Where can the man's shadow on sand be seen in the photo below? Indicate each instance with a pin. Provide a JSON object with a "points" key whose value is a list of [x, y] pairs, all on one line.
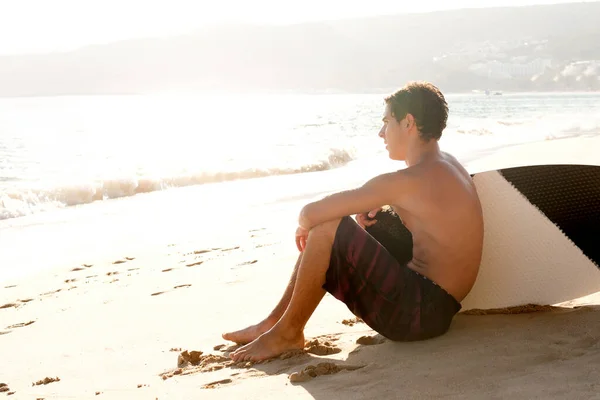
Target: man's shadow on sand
{"points": [[476, 354]]}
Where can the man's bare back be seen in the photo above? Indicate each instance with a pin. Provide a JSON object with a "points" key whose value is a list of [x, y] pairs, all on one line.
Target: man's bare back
{"points": [[445, 219]]}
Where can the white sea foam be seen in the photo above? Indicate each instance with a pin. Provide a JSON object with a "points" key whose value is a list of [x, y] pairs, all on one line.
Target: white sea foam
{"points": [[21, 200]]}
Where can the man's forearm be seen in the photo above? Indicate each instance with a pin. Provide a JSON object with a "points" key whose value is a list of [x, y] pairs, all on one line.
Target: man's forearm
{"points": [[304, 218], [349, 202], [327, 209], [307, 219]]}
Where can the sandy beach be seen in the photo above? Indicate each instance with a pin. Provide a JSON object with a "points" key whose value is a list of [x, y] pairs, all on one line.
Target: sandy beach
{"points": [[148, 324]]}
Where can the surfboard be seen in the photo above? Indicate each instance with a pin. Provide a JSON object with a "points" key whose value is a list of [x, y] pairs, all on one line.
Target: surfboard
{"points": [[542, 235]]}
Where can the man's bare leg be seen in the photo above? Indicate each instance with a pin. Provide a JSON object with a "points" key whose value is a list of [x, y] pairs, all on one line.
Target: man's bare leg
{"points": [[288, 332], [250, 333]]}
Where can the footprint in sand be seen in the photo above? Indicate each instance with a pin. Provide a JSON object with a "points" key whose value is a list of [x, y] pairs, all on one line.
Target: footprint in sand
{"points": [[265, 245], [370, 340], [124, 261], [215, 384], [230, 248], [50, 293], [199, 252], [83, 266], [202, 251], [17, 304], [182, 286], [20, 325], [174, 287], [194, 264], [326, 368], [46, 381]]}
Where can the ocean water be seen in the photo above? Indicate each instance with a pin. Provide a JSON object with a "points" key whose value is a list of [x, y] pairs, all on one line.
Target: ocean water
{"points": [[89, 177], [57, 152]]}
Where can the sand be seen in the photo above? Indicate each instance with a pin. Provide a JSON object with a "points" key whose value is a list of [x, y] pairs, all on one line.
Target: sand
{"points": [[148, 326]]}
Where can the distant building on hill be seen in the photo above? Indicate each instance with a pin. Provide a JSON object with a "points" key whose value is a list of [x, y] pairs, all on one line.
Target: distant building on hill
{"points": [[510, 70], [582, 69]]}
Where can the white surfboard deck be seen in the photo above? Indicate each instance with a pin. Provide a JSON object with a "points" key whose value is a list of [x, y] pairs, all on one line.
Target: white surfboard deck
{"points": [[526, 257]]}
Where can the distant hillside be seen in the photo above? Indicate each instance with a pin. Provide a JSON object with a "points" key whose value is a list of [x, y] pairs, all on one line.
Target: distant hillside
{"points": [[455, 49]]}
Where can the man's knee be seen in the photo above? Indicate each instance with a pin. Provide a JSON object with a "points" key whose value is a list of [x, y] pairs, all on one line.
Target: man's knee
{"points": [[326, 229]]}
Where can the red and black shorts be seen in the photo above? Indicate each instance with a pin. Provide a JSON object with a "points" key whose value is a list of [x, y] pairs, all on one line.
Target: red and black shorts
{"points": [[383, 291]]}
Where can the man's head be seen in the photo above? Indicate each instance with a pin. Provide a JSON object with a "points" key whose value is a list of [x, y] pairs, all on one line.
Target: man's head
{"points": [[418, 111]]}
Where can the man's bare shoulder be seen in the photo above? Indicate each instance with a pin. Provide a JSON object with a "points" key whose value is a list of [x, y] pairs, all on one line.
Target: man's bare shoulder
{"points": [[454, 183], [439, 177], [446, 167], [442, 179], [440, 167]]}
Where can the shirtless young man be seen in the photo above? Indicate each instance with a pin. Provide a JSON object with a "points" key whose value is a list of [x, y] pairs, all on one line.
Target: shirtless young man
{"points": [[437, 202]]}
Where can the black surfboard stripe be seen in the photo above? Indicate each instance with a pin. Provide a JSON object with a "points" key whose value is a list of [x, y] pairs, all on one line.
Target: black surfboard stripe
{"points": [[569, 196]]}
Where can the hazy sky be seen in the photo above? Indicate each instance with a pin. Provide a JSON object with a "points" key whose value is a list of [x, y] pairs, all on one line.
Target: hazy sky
{"points": [[31, 26]]}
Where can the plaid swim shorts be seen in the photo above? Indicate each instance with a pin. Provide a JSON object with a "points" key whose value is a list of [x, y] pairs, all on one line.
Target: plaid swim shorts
{"points": [[378, 287]]}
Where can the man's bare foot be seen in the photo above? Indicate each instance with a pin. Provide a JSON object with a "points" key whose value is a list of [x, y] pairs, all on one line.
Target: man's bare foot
{"points": [[268, 345], [247, 335]]}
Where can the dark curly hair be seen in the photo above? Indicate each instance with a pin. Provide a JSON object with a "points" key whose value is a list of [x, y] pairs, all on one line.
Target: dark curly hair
{"points": [[426, 103]]}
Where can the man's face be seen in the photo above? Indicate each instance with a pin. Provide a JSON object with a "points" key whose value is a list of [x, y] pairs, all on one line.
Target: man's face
{"points": [[394, 134]]}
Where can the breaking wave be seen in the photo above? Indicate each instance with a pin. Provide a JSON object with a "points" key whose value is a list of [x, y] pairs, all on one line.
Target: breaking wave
{"points": [[21, 201]]}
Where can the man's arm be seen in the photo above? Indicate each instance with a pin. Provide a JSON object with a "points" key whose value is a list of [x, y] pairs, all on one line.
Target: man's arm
{"points": [[384, 189]]}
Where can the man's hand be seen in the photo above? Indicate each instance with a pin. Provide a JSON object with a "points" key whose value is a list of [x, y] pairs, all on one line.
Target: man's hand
{"points": [[365, 219], [301, 238]]}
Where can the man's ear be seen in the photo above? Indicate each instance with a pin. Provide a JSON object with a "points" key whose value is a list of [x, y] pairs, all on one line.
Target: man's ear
{"points": [[409, 120]]}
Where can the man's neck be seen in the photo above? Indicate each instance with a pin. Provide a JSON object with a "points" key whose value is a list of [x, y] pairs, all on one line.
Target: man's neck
{"points": [[420, 151]]}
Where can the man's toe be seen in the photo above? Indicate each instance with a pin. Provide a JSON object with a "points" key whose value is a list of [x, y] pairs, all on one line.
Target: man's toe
{"points": [[239, 355]]}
